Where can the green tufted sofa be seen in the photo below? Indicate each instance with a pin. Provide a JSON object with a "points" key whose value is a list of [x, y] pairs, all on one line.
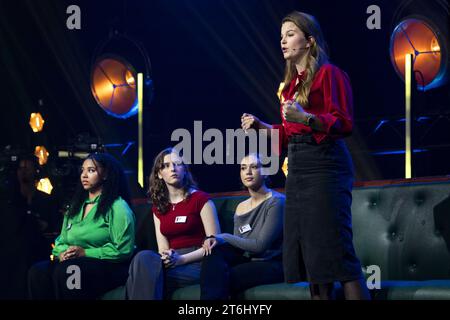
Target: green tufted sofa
{"points": [[401, 226]]}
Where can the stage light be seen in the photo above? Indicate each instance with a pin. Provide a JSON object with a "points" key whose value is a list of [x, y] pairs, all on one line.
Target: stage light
{"points": [[425, 42], [45, 185], [280, 91], [113, 85], [284, 167], [130, 78], [36, 122], [114, 77], [41, 153]]}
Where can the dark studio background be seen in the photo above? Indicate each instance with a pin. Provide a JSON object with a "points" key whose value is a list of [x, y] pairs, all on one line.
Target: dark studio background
{"points": [[211, 61]]}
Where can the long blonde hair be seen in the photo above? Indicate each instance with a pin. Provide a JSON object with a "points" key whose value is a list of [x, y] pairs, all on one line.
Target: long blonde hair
{"points": [[317, 54]]}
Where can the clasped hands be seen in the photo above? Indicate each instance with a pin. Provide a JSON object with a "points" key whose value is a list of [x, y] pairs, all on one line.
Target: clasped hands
{"points": [[71, 253], [170, 258]]}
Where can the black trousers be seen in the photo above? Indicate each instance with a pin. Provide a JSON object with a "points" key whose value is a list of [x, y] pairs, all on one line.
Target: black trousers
{"points": [[227, 272], [55, 280]]}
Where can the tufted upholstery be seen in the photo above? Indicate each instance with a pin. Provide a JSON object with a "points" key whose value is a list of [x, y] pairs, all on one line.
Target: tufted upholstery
{"points": [[394, 228], [404, 228]]}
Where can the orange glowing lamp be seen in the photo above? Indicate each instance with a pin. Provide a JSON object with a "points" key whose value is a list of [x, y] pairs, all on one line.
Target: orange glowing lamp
{"points": [[36, 122], [45, 185], [419, 38], [113, 85], [42, 154]]}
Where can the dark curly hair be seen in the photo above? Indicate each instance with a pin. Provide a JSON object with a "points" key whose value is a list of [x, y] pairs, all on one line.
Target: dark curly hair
{"points": [[159, 194], [113, 186]]}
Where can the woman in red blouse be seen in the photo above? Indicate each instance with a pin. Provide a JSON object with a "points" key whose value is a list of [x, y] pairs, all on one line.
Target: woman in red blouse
{"points": [[316, 113], [184, 217]]}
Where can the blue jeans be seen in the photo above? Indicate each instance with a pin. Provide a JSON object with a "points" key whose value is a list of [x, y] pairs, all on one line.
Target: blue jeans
{"points": [[149, 280]]}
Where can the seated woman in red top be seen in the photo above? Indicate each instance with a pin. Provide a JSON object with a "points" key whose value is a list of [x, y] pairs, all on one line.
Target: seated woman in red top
{"points": [[184, 216]]}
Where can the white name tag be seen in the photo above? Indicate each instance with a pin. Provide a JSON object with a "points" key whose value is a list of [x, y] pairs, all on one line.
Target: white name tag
{"points": [[69, 226], [245, 228], [180, 219]]}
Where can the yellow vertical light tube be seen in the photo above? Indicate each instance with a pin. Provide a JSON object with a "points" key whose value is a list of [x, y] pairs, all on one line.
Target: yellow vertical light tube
{"points": [[408, 88], [140, 88]]}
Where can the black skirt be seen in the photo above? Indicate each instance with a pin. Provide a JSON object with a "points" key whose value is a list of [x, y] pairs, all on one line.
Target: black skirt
{"points": [[318, 235]]}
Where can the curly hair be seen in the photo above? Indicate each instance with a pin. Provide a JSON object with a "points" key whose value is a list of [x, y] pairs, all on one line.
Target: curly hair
{"points": [[114, 185], [159, 194], [317, 55]]}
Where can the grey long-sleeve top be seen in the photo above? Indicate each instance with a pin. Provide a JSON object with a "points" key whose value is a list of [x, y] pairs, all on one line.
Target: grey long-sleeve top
{"points": [[259, 231]]}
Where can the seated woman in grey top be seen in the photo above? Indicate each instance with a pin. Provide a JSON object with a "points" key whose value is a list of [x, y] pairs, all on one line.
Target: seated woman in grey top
{"points": [[250, 256]]}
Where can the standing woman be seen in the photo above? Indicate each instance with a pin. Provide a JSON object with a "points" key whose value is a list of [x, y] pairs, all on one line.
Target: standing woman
{"points": [[184, 217], [316, 114], [96, 240]]}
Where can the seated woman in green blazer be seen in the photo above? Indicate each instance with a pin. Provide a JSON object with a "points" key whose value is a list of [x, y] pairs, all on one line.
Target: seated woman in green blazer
{"points": [[96, 243]]}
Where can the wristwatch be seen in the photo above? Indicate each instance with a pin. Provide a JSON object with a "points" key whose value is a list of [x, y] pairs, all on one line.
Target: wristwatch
{"points": [[309, 119]]}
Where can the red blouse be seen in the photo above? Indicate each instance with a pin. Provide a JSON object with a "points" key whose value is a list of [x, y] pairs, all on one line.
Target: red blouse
{"points": [[330, 100], [182, 224]]}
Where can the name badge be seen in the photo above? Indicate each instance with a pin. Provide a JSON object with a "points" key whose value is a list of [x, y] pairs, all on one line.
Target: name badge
{"points": [[180, 219], [245, 228], [69, 225]]}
